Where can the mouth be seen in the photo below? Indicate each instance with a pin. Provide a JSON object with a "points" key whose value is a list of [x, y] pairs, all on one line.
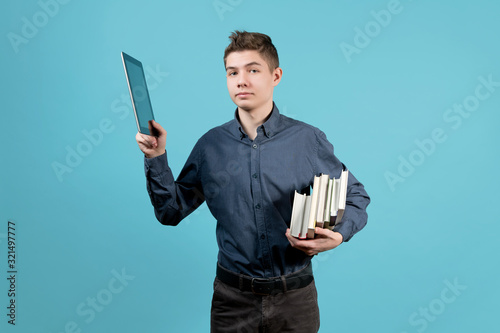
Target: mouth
{"points": [[243, 94]]}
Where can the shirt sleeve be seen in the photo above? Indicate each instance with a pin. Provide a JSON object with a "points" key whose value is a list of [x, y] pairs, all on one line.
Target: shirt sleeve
{"points": [[172, 199], [355, 216]]}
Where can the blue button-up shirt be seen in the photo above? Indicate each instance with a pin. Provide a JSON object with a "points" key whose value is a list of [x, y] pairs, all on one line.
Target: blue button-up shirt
{"points": [[249, 186]]}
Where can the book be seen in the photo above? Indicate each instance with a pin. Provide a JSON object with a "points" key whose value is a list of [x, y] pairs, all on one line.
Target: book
{"points": [[307, 210], [322, 194], [324, 208], [334, 203], [342, 196], [328, 203], [300, 215], [311, 225], [299, 205]]}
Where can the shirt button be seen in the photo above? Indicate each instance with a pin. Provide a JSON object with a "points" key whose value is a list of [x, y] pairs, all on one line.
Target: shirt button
{"points": [[254, 146], [257, 206], [262, 236], [254, 175]]}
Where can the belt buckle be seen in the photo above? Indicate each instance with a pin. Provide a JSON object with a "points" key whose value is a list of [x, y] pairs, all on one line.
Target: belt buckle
{"points": [[263, 287]]}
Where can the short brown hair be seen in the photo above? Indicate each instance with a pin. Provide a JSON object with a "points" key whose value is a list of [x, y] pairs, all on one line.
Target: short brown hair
{"points": [[242, 41]]}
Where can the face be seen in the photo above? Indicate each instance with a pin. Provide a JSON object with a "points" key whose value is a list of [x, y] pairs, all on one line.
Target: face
{"points": [[249, 81]]}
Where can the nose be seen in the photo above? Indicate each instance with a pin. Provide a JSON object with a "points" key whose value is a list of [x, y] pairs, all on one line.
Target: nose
{"points": [[242, 80]]}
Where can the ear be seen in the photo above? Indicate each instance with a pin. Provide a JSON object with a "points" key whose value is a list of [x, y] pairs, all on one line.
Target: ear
{"points": [[277, 74]]}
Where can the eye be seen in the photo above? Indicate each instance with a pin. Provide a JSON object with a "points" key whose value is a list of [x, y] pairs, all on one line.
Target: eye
{"points": [[254, 71], [231, 73]]}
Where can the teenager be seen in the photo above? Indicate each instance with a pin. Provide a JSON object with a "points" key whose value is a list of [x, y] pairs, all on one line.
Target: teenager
{"points": [[247, 171]]}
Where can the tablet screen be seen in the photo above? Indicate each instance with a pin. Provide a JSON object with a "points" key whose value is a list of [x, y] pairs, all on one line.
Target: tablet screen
{"points": [[138, 92]]}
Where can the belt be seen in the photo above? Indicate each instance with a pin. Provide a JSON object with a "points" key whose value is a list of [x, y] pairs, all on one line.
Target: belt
{"points": [[266, 286]]}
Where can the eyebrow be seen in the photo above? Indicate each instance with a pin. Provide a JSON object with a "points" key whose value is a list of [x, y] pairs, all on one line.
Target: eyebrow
{"points": [[253, 63]]}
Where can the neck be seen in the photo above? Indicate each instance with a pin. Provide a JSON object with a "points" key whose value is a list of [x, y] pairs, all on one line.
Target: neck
{"points": [[250, 120]]}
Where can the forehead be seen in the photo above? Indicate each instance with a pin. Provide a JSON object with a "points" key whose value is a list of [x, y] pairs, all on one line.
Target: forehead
{"points": [[242, 58]]}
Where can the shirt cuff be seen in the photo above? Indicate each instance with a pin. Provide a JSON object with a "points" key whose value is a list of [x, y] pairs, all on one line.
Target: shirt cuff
{"points": [[156, 165], [345, 230]]}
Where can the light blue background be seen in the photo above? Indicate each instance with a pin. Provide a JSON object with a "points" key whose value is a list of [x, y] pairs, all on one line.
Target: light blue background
{"points": [[438, 225]]}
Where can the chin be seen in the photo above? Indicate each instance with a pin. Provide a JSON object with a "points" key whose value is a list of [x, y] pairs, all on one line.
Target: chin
{"points": [[245, 105]]}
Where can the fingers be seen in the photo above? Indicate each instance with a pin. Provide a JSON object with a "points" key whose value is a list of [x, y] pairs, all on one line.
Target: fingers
{"points": [[307, 246], [291, 239], [146, 141], [330, 234], [152, 145], [157, 128], [325, 240], [323, 231]]}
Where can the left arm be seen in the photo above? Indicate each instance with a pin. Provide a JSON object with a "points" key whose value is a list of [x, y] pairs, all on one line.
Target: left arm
{"points": [[355, 216]]}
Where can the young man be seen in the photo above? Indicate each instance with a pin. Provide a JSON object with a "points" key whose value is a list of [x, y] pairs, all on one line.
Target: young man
{"points": [[247, 170]]}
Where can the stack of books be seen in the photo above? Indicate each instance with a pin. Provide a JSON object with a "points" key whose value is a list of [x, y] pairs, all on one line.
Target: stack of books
{"points": [[324, 208]]}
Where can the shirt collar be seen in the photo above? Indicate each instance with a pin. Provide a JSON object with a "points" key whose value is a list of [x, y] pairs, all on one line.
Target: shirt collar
{"points": [[269, 128]]}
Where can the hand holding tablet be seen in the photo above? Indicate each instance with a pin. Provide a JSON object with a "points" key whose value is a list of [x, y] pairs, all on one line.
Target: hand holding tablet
{"points": [[152, 146]]}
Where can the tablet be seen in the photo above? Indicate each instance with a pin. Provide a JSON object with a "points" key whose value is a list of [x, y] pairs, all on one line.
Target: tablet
{"points": [[139, 94]]}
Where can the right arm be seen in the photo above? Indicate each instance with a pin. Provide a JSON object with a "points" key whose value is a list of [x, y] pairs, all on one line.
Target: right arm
{"points": [[172, 200]]}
